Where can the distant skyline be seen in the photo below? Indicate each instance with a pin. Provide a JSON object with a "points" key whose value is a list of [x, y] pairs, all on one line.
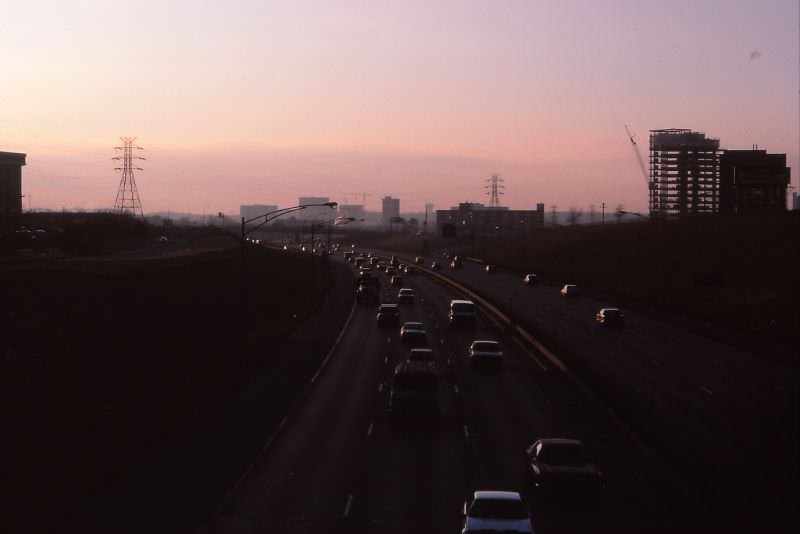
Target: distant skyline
{"points": [[257, 102]]}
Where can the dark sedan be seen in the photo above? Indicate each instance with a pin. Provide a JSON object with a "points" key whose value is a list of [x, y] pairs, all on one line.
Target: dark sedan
{"points": [[559, 464]]}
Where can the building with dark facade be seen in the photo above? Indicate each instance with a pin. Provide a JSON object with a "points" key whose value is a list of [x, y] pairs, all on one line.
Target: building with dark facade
{"points": [[470, 217], [11, 182], [753, 181], [684, 173]]}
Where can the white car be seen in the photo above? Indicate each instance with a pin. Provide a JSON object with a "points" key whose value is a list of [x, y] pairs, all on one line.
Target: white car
{"points": [[483, 351], [570, 290], [496, 511]]}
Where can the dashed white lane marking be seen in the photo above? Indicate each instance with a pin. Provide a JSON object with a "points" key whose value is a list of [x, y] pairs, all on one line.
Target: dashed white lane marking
{"points": [[706, 390], [455, 387], [449, 361], [441, 341], [347, 505], [719, 363], [388, 340], [380, 387], [656, 362], [369, 430], [466, 432], [386, 359]]}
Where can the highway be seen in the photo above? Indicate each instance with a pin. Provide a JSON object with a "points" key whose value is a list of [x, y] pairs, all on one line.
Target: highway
{"points": [[729, 411], [339, 464]]}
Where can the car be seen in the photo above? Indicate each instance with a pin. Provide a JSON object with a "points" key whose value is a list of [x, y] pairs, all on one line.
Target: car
{"points": [[531, 279], [489, 268], [414, 391], [562, 465], [610, 318], [381, 266], [418, 260], [436, 266], [391, 271], [388, 315], [496, 511], [364, 271], [406, 296], [484, 351], [462, 313], [402, 267], [570, 290], [413, 333], [374, 260], [410, 269], [421, 355], [162, 240], [396, 280], [359, 261]]}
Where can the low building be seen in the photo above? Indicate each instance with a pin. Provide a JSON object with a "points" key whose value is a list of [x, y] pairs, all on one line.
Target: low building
{"points": [[470, 217], [11, 164], [753, 181]]}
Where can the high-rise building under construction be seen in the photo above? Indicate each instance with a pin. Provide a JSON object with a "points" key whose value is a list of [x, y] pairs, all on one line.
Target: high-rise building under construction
{"points": [[684, 173]]}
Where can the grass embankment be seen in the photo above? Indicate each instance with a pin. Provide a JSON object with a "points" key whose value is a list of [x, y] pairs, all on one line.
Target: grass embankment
{"points": [[107, 365], [739, 272]]}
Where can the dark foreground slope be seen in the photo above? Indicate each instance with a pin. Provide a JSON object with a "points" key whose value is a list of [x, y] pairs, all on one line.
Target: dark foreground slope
{"points": [[132, 393]]}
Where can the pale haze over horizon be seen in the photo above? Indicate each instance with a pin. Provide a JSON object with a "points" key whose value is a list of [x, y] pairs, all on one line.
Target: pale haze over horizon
{"points": [[247, 102]]}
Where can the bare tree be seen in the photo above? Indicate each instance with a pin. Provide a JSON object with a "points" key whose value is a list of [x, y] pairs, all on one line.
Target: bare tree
{"points": [[575, 215]]}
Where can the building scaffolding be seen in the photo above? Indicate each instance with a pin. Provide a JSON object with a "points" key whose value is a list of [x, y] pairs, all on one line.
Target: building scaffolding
{"points": [[684, 173]]}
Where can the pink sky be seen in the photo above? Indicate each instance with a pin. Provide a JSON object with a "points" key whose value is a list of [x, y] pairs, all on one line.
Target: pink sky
{"points": [[263, 102]]}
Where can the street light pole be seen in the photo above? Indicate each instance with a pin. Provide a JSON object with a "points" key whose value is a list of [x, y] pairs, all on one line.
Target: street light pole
{"points": [[267, 218]]}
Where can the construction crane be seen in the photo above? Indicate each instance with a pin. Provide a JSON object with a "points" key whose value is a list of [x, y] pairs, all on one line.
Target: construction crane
{"points": [[362, 195], [645, 175]]}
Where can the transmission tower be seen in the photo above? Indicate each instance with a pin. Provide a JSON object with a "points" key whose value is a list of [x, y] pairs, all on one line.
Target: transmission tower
{"points": [[494, 188], [127, 194]]}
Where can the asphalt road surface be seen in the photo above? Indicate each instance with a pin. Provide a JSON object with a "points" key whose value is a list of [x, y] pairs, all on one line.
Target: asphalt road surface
{"points": [[726, 402], [340, 465]]}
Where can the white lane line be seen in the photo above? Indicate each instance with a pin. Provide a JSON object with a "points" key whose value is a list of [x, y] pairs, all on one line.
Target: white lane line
{"points": [[380, 387], [656, 362], [386, 360], [369, 430], [347, 505], [441, 340], [719, 363], [706, 390], [388, 340], [455, 387], [466, 432]]}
